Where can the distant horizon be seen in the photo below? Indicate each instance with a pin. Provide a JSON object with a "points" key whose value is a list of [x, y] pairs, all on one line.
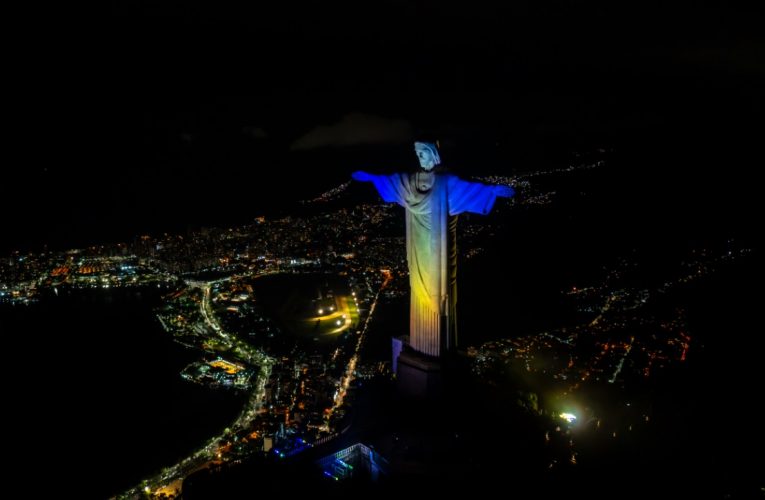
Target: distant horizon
{"points": [[175, 204]]}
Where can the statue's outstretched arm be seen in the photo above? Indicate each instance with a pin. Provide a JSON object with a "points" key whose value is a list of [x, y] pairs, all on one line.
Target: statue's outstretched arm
{"points": [[503, 191], [361, 176], [475, 197], [392, 187]]}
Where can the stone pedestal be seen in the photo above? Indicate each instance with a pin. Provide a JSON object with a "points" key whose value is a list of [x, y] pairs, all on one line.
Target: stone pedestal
{"points": [[418, 376]]}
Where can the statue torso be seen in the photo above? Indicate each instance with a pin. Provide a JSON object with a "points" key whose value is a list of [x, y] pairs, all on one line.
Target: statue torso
{"points": [[424, 181]]}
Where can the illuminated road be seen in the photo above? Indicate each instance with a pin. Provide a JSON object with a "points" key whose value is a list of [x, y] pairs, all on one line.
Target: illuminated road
{"points": [[172, 477], [348, 377], [621, 361]]}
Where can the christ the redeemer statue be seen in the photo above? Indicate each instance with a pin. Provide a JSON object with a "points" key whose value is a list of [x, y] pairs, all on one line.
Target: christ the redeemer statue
{"points": [[432, 201]]}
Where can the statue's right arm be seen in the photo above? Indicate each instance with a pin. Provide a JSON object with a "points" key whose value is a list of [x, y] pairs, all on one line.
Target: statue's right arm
{"points": [[361, 176], [391, 187]]}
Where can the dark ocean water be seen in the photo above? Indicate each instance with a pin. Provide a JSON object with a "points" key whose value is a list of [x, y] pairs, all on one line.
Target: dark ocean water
{"points": [[110, 407]]}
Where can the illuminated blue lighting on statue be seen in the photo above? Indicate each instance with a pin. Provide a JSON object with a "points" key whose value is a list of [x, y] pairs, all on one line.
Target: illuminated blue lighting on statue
{"points": [[432, 201]]}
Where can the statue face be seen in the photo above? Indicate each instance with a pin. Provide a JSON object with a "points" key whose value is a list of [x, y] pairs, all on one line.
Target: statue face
{"points": [[426, 156]]}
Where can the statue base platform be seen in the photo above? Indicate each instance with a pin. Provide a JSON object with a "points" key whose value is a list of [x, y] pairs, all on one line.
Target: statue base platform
{"points": [[418, 376]]}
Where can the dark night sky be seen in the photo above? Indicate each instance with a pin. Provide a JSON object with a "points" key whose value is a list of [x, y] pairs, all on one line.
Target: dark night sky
{"points": [[130, 110]]}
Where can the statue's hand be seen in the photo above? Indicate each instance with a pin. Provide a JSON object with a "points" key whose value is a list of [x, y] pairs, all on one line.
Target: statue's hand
{"points": [[504, 191], [361, 176]]}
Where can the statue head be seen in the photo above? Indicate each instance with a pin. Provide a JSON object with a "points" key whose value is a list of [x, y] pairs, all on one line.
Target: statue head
{"points": [[427, 153]]}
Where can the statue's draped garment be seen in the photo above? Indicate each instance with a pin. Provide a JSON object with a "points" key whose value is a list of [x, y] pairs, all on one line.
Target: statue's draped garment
{"points": [[431, 250]]}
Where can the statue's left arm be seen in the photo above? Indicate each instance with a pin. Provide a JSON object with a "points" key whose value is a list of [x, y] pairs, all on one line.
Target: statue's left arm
{"points": [[476, 197]]}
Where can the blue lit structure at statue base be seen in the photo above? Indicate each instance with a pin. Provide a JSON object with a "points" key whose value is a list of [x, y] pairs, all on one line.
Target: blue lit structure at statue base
{"points": [[359, 462]]}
